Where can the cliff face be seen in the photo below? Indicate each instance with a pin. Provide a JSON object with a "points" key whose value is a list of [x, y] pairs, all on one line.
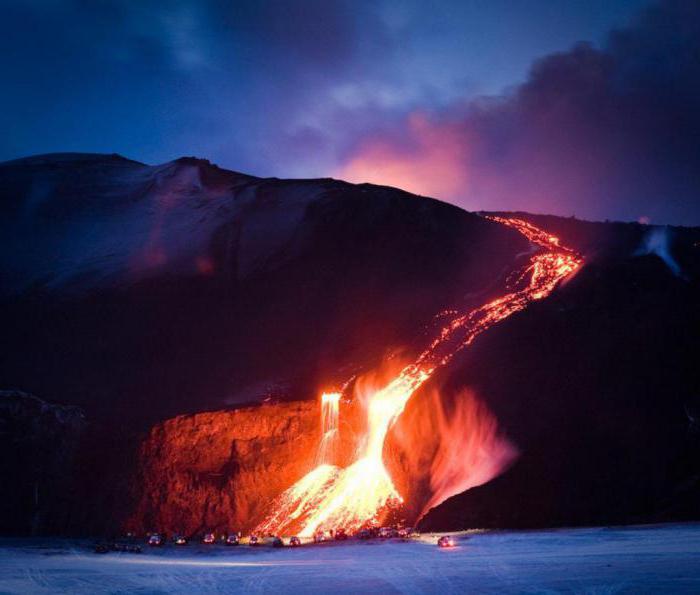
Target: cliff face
{"points": [[39, 443], [219, 470], [222, 470]]}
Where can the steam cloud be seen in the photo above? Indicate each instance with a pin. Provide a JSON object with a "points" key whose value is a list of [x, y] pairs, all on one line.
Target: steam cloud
{"points": [[447, 446], [600, 133], [658, 241], [471, 450]]}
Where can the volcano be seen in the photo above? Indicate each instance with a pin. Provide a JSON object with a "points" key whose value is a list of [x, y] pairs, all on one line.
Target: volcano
{"points": [[196, 315]]}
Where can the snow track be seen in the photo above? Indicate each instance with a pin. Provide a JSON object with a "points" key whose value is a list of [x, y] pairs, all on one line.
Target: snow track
{"points": [[596, 560]]}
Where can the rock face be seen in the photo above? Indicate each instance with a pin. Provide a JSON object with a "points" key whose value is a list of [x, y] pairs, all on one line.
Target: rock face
{"points": [[39, 443], [219, 470]]}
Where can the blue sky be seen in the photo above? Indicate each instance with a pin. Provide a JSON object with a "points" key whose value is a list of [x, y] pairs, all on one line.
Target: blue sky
{"points": [[239, 82]]}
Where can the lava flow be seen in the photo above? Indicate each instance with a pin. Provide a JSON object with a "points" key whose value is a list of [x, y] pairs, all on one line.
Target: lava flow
{"points": [[329, 428], [358, 495]]}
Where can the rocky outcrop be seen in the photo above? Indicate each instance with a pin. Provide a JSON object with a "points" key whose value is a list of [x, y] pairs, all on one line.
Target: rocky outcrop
{"points": [[39, 443], [222, 470], [219, 470]]}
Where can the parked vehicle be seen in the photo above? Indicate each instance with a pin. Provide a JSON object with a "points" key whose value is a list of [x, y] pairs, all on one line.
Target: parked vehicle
{"points": [[180, 540], [127, 548], [209, 538], [319, 537], [446, 541], [277, 542], [253, 540], [340, 535], [156, 539], [106, 547], [232, 539], [295, 541]]}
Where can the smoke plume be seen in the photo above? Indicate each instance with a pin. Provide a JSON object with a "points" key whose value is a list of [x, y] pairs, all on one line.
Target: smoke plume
{"points": [[601, 133]]}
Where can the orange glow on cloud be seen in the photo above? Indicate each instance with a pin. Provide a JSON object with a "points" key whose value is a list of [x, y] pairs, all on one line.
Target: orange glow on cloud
{"points": [[434, 164]]}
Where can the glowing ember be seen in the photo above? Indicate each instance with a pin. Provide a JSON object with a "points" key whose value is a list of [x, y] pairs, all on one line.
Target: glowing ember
{"points": [[363, 493]]}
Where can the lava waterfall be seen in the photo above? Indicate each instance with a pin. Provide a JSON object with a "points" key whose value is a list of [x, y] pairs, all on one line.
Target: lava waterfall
{"points": [[363, 492]]}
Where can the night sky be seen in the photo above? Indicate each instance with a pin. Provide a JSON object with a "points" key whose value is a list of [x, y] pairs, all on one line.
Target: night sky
{"points": [[586, 108]]}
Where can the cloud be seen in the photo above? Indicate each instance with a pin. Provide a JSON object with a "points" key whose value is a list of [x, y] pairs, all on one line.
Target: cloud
{"points": [[600, 133], [430, 161], [374, 91]]}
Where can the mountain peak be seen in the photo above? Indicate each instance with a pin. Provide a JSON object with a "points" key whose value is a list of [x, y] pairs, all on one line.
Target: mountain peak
{"points": [[69, 158]]}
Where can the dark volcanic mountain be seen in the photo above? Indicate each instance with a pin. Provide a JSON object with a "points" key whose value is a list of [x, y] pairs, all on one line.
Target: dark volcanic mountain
{"points": [[151, 291], [141, 292]]}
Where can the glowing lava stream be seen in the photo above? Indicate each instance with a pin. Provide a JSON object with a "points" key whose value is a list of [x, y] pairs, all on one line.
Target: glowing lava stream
{"points": [[329, 428], [329, 497]]}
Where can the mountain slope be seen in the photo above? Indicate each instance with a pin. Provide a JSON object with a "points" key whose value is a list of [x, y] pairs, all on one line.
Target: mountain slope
{"points": [[145, 292], [152, 291]]}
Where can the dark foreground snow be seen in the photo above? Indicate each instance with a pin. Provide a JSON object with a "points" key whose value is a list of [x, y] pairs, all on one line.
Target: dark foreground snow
{"points": [[598, 560]]}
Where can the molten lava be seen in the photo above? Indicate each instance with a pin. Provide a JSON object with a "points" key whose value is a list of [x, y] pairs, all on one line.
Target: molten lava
{"points": [[363, 493], [329, 428]]}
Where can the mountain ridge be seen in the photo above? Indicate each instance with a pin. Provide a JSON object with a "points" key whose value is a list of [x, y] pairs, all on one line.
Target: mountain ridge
{"points": [[142, 293]]}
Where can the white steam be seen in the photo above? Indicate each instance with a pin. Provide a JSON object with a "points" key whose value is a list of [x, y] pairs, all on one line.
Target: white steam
{"points": [[658, 241]]}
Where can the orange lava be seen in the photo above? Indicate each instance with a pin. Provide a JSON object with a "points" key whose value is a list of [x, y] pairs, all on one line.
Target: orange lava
{"points": [[329, 428], [362, 493]]}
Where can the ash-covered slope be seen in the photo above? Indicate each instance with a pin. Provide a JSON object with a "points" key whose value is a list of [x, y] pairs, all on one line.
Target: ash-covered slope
{"points": [[151, 291], [598, 386]]}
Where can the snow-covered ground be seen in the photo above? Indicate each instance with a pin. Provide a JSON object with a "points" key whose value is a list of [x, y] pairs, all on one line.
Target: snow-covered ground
{"points": [[662, 558]]}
